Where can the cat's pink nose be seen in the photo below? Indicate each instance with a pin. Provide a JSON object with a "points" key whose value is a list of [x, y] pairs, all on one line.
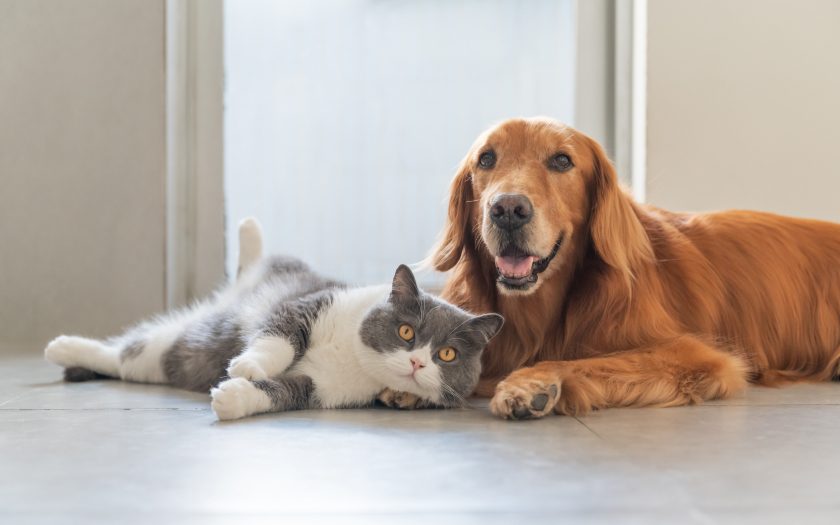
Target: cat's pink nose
{"points": [[416, 363]]}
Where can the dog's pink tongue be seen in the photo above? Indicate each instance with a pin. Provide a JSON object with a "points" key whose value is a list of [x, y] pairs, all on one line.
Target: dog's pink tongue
{"points": [[515, 266]]}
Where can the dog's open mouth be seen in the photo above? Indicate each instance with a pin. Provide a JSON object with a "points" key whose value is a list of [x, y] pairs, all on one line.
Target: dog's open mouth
{"points": [[518, 269]]}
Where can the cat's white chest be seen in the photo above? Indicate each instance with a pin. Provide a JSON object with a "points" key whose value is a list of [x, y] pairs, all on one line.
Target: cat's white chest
{"points": [[331, 359], [337, 377]]}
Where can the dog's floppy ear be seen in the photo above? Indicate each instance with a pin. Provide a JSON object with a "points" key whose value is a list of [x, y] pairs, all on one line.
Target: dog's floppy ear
{"points": [[617, 233], [458, 229]]}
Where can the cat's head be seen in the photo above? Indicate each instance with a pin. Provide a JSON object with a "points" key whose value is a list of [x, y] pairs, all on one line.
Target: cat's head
{"points": [[421, 344]]}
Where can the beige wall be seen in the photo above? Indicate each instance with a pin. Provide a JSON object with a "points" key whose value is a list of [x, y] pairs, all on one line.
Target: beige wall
{"points": [[744, 105], [82, 165]]}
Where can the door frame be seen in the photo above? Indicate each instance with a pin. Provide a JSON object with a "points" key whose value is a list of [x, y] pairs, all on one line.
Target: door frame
{"points": [[195, 223]]}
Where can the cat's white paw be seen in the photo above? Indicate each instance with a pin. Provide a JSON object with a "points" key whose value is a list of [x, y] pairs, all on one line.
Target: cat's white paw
{"points": [[64, 350], [237, 398], [247, 368]]}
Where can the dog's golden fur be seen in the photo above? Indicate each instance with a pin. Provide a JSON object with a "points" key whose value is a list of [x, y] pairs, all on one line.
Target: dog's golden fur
{"points": [[640, 306]]}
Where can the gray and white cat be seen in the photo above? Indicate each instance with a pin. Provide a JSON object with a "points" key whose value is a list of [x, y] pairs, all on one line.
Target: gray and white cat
{"points": [[284, 338]]}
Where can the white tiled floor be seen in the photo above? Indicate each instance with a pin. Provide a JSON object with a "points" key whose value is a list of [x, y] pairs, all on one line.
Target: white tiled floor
{"points": [[114, 452]]}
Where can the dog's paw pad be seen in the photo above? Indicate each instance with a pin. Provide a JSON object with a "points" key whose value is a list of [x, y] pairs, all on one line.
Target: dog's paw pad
{"points": [[520, 412], [539, 401], [516, 399]]}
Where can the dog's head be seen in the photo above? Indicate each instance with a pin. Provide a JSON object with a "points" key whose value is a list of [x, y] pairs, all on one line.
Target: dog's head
{"points": [[526, 194]]}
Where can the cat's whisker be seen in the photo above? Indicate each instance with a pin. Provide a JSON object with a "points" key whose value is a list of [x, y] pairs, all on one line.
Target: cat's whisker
{"points": [[457, 328], [433, 309], [462, 402]]}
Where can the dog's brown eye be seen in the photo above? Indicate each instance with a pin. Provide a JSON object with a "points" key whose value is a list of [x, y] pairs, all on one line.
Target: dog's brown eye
{"points": [[487, 160], [560, 162]]}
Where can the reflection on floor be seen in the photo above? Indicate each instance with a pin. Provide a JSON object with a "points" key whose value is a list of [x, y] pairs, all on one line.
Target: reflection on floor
{"points": [[113, 452]]}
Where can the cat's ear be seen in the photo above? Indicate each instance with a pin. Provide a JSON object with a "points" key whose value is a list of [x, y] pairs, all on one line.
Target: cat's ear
{"points": [[488, 325], [404, 288]]}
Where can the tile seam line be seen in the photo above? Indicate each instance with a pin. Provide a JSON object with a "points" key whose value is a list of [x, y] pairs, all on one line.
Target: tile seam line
{"points": [[587, 427]]}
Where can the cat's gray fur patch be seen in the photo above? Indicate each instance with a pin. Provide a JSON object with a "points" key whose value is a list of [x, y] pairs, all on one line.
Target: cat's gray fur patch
{"points": [[293, 320], [200, 356], [292, 269], [288, 392], [131, 350], [280, 264]]}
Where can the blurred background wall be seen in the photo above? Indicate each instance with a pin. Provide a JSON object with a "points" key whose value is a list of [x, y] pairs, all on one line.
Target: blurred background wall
{"points": [[744, 105], [82, 165]]}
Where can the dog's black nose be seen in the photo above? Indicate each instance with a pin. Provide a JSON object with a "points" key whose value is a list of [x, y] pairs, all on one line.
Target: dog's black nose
{"points": [[510, 211]]}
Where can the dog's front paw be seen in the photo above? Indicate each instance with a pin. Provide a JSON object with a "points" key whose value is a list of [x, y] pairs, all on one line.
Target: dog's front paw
{"points": [[401, 400], [237, 398], [247, 368], [524, 396]]}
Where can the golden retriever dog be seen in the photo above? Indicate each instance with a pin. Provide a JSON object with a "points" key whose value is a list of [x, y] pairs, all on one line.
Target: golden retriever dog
{"points": [[611, 303]]}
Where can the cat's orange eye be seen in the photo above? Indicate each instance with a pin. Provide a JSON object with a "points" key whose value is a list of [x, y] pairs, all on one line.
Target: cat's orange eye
{"points": [[406, 332], [447, 354]]}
